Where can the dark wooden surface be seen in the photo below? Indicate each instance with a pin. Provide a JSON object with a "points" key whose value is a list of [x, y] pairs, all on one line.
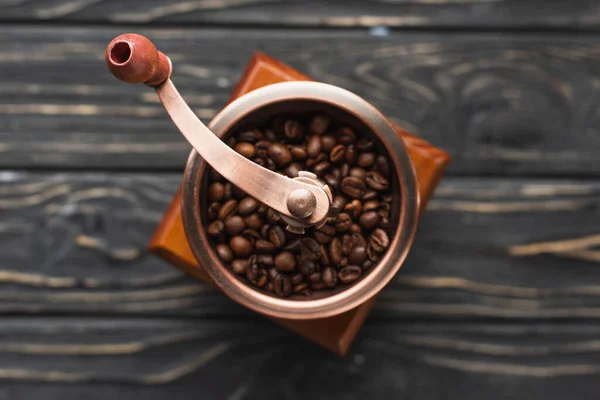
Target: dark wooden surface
{"points": [[499, 298]]}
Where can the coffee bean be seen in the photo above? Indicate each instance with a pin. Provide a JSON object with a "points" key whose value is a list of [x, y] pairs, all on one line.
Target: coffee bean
{"points": [[306, 266], [371, 205], [314, 161], [309, 249], [227, 209], [302, 286], [331, 180], [266, 260], [353, 187], [322, 237], [349, 274], [379, 240], [346, 136], [297, 278], [215, 192], [216, 228], [277, 236], [347, 244], [369, 220], [314, 146], [344, 262], [253, 221], [227, 191], [354, 208], [247, 205], [339, 202], [350, 154], [357, 256], [213, 211], [234, 225], [328, 142], [273, 273], [285, 261], [251, 135], [270, 164], [293, 129], [272, 216], [262, 148], [329, 277], [365, 160], [385, 223], [384, 210], [264, 231], [321, 168], [382, 165], [324, 258], [319, 124], [343, 222], [359, 240], [264, 246], [293, 246], [376, 181], [280, 155], [240, 246], [224, 253], [344, 170], [369, 195], [315, 277], [270, 135], [355, 228], [336, 155], [292, 170], [317, 285], [252, 235], [372, 254], [367, 265], [282, 286], [298, 153], [357, 173], [245, 149], [365, 145], [256, 275], [335, 251], [239, 266], [231, 142]]}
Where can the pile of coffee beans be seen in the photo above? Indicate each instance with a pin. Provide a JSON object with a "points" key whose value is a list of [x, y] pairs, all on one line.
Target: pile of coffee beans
{"points": [[251, 238]]}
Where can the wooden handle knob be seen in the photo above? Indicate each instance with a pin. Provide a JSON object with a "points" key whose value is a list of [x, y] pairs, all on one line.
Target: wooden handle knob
{"points": [[133, 58]]}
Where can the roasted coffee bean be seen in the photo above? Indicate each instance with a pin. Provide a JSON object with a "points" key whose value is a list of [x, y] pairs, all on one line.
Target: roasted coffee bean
{"points": [[239, 266], [346, 136], [293, 246], [262, 148], [213, 211], [367, 265], [240, 246], [358, 240], [277, 236], [344, 170], [324, 258], [369, 195], [355, 228], [234, 225], [293, 129], [357, 173], [314, 146], [369, 220], [216, 228], [349, 274], [357, 256], [292, 170], [339, 202], [371, 205], [262, 209], [376, 181], [343, 222], [327, 142], [309, 249], [256, 275], [385, 223], [319, 124], [260, 161], [247, 205], [227, 191], [298, 153], [317, 285], [379, 240], [280, 155], [384, 210], [329, 277], [347, 244], [372, 254], [365, 145], [314, 161], [253, 221], [315, 277], [354, 208], [216, 191], [231, 142], [237, 192], [382, 165], [272, 216], [264, 246], [321, 168], [252, 235], [270, 164], [225, 253], [335, 251], [297, 278], [285, 261], [270, 135], [350, 154], [336, 155], [246, 149], [227, 209], [264, 231], [365, 160], [251, 135], [386, 198], [302, 286], [273, 273], [331, 180], [266, 260], [353, 187], [282, 285], [322, 238], [335, 171], [344, 262], [306, 266]]}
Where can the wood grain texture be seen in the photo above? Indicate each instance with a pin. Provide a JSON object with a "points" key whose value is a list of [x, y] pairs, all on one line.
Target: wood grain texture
{"points": [[500, 103], [575, 14], [74, 243]]}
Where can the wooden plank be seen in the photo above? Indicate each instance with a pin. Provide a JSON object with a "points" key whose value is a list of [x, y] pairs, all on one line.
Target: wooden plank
{"points": [[500, 103], [486, 248], [576, 14], [77, 357]]}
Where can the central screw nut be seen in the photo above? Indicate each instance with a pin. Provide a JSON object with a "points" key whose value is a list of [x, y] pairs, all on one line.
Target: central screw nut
{"points": [[301, 203]]}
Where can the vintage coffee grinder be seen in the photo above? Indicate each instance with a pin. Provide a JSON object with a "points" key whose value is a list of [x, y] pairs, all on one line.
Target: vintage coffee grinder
{"points": [[302, 202]]}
